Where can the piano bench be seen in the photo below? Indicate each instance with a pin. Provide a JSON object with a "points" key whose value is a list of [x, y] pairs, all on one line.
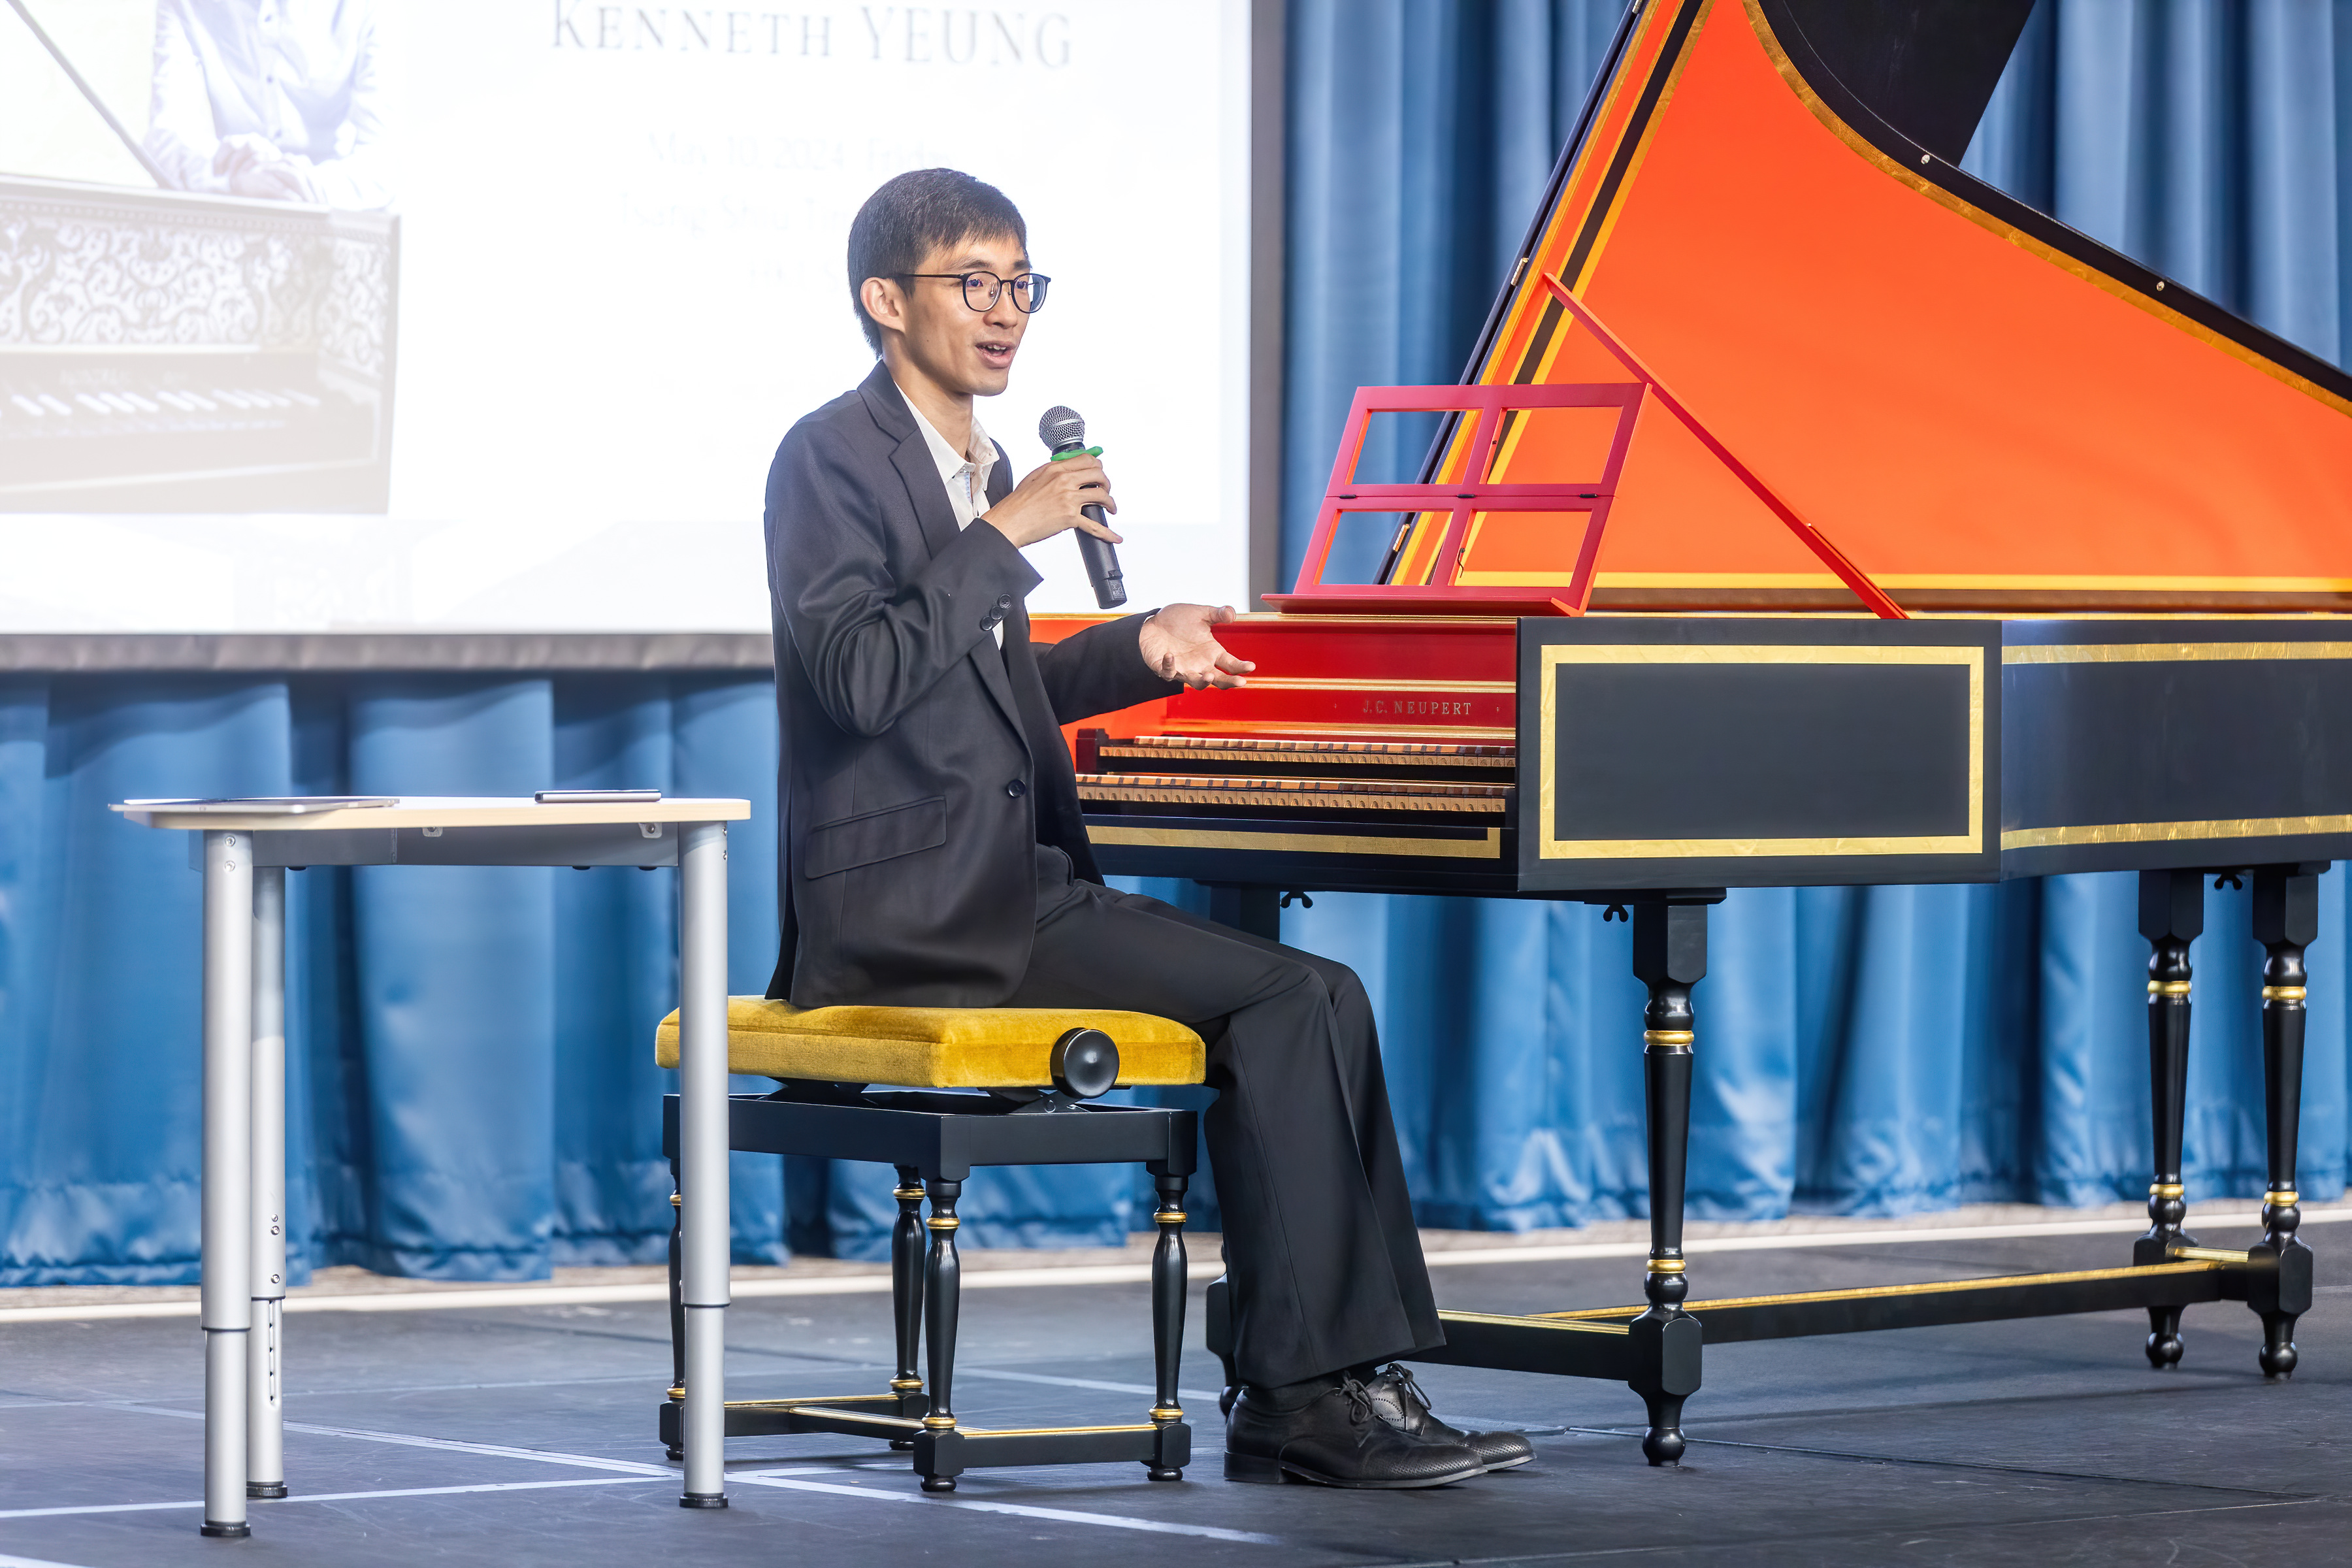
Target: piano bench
{"points": [[939, 1047], [1040, 1067]]}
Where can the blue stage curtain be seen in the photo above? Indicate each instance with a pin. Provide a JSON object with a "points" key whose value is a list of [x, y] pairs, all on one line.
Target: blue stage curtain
{"points": [[2213, 141], [472, 1091]]}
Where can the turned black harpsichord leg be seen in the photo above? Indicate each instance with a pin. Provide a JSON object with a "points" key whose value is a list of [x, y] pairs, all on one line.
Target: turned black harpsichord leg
{"points": [[907, 1289], [2172, 916], [1168, 1270], [1669, 957], [2286, 920], [942, 1290]]}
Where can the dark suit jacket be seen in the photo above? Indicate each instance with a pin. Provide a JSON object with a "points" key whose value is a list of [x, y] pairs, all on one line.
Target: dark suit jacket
{"points": [[921, 766]]}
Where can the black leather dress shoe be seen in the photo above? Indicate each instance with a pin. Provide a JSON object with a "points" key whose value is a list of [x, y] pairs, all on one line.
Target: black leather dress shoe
{"points": [[1337, 1438], [1403, 1405]]}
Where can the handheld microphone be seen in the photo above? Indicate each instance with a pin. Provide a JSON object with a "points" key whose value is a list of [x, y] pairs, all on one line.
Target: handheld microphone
{"points": [[1064, 431]]}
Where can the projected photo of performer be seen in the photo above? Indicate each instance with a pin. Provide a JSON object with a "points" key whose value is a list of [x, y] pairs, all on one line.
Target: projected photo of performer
{"points": [[274, 99]]}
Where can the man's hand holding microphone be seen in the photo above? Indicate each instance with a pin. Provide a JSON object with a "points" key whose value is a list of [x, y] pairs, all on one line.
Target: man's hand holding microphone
{"points": [[1058, 496]]}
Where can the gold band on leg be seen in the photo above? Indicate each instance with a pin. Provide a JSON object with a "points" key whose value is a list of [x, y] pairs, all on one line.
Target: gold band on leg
{"points": [[2279, 1200], [1666, 1266], [2168, 987], [2167, 1190], [2283, 993]]}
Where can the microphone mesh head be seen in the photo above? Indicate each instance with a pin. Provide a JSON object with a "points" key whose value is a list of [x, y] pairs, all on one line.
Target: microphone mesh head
{"points": [[1059, 427]]}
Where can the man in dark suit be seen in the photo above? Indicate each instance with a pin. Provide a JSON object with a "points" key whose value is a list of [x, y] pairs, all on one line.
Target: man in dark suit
{"points": [[934, 854]]}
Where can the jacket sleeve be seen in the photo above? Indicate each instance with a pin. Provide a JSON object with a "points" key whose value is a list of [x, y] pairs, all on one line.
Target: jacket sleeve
{"points": [[871, 644], [1100, 671]]}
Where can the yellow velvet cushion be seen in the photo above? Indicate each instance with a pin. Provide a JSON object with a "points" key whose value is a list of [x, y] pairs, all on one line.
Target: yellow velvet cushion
{"points": [[937, 1047]]}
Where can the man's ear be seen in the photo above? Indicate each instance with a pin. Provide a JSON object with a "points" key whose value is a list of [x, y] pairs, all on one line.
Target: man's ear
{"points": [[886, 302]]}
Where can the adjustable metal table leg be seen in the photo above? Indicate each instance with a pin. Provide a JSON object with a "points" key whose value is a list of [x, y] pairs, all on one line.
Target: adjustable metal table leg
{"points": [[265, 1399], [706, 1236], [227, 1234]]}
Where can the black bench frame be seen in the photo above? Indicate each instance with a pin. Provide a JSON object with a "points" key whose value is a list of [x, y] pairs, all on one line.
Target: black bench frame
{"points": [[935, 1139]]}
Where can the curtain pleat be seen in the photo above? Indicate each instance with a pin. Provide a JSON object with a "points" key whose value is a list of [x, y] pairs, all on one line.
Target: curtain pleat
{"points": [[472, 1086]]}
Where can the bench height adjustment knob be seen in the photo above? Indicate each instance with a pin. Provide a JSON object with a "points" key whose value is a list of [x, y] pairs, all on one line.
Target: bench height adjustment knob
{"points": [[1085, 1064]]}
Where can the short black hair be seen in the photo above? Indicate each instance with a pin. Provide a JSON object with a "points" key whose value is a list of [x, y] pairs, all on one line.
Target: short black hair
{"points": [[914, 214]]}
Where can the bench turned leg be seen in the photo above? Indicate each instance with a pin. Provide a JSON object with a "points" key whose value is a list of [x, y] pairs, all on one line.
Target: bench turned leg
{"points": [[1168, 1272], [906, 1286], [941, 1290], [676, 1306]]}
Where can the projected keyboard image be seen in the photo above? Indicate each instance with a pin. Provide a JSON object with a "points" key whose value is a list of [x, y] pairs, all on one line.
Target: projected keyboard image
{"points": [[168, 353], [74, 431]]}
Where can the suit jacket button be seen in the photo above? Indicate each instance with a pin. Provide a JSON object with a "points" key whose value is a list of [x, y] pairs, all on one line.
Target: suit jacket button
{"points": [[1016, 789], [1004, 601]]}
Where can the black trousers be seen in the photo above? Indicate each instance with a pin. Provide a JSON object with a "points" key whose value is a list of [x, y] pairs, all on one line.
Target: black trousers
{"points": [[1320, 1246]]}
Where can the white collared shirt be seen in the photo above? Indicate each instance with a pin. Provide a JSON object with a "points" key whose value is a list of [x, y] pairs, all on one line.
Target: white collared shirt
{"points": [[302, 75], [964, 473]]}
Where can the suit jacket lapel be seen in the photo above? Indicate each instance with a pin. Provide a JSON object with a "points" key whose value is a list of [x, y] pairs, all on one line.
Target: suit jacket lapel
{"points": [[986, 654], [913, 458], [929, 493]]}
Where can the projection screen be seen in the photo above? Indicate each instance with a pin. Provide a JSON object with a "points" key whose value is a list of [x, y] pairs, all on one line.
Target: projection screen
{"points": [[446, 314]]}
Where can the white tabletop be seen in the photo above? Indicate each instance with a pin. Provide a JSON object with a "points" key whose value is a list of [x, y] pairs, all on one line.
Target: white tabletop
{"points": [[293, 816]]}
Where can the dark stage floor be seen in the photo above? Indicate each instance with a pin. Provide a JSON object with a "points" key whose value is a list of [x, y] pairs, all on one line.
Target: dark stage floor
{"points": [[521, 1436]]}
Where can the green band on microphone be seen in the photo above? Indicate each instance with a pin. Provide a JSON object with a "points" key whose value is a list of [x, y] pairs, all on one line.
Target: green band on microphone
{"points": [[1077, 452]]}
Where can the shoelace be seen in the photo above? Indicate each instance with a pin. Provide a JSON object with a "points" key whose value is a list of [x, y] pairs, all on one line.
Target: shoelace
{"points": [[1363, 1414], [1412, 1395]]}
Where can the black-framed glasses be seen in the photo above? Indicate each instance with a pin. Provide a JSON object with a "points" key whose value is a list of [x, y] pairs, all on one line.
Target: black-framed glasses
{"points": [[982, 289]]}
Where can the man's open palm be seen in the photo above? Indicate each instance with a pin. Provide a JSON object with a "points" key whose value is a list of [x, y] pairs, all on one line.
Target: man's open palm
{"points": [[1176, 641]]}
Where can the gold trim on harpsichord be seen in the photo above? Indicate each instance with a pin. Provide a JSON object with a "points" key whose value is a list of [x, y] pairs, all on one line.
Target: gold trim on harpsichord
{"points": [[1290, 794], [1551, 848], [1277, 728], [1957, 582], [2170, 652], [1322, 752], [2171, 832], [2225, 1255], [1487, 847], [1868, 1292], [1555, 1321], [1352, 683]]}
